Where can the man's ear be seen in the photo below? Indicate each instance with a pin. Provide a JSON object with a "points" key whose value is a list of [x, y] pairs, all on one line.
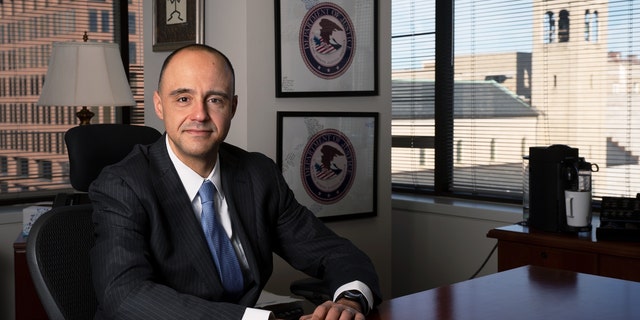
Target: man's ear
{"points": [[157, 105], [234, 105]]}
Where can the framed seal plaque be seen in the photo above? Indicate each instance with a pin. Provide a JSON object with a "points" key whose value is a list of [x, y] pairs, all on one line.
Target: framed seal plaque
{"points": [[329, 161], [326, 48]]}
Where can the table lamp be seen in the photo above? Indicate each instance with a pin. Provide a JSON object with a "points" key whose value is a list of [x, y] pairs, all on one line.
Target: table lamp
{"points": [[82, 74]]}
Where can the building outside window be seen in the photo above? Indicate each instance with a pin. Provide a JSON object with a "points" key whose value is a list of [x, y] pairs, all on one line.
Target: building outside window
{"points": [[33, 155]]}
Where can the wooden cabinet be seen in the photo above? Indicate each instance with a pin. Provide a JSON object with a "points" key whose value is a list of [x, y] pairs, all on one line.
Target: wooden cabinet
{"points": [[28, 305], [513, 254], [519, 246]]}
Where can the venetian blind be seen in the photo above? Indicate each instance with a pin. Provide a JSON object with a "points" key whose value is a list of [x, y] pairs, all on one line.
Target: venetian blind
{"points": [[413, 94], [33, 158], [536, 73]]}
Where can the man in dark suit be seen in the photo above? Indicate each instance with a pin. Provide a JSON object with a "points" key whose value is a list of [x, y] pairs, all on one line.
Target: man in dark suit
{"points": [[152, 259]]}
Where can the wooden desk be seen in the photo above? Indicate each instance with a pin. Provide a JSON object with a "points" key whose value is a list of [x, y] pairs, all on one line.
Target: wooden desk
{"points": [[519, 246], [523, 293]]}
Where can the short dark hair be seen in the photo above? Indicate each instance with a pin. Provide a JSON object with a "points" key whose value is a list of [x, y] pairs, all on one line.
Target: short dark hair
{"points": [[199, 47]]}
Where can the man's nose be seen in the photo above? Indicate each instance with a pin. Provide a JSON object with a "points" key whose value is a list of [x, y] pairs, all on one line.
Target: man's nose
{"points": [[200, 111]]}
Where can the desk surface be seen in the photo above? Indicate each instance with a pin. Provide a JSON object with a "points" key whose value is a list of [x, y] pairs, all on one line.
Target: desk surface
{"points": [[527, 292]]}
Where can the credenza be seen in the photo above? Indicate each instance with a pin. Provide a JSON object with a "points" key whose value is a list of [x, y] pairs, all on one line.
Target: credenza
{"points": [[579, 252], [27, 303]]}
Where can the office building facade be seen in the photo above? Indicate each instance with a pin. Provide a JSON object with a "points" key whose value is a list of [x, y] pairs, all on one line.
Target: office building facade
{"points": [[33, 157]]}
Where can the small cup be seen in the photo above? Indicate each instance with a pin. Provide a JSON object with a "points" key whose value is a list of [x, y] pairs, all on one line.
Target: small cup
{"points": [[578, 208]]}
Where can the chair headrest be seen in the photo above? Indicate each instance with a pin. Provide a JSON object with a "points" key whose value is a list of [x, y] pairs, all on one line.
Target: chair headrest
{"points": [[93, 147]]}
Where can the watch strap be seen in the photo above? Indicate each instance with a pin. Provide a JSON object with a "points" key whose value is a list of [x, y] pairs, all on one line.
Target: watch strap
{"points": [[356, 296]]}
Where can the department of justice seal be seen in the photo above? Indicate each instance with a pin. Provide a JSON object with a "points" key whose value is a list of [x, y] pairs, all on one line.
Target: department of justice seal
{"points": [[327, 40], [328, 166]]}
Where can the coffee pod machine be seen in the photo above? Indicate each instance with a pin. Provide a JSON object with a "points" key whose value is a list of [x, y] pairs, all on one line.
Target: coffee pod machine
{"points": [[559, 189]]}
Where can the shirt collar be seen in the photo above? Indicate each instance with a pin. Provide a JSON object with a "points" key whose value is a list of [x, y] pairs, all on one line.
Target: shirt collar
{"points": [[192, 180]]}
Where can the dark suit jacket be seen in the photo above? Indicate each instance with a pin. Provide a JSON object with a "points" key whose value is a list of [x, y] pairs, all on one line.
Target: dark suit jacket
{"points": [[151, 259]]}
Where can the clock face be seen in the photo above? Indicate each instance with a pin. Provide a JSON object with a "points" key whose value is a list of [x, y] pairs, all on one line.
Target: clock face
{"points": [[176, 12]]}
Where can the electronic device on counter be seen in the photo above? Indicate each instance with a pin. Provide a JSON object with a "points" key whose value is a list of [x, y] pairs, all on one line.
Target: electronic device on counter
{"points": [[552, 171], [619, 219]]}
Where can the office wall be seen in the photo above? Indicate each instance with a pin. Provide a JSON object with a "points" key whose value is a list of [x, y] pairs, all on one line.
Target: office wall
{"points": [[440, 241], [244, 31]]}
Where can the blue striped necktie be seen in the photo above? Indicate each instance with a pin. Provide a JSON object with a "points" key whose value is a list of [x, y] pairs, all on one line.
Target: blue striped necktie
{"points": [[221, 248]]}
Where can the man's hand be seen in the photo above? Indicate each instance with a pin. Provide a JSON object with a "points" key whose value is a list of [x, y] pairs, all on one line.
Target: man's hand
{"points": [[343, 309]]}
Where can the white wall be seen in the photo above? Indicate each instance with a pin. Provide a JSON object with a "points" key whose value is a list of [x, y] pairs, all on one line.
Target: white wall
{"points": [[439, 241], [244, 31]]}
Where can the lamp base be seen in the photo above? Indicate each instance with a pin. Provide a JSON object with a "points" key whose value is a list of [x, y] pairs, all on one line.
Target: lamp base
{"points": [[85, 116]]}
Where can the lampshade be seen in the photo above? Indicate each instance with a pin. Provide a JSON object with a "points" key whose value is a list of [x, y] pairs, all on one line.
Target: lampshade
{"points": [[86, 74]]}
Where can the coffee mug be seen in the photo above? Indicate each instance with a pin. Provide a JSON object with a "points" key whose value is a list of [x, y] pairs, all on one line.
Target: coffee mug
{"points": [[578, 208]]}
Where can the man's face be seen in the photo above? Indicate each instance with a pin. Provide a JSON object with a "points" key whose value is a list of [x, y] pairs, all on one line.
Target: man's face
{"points": [[196, 101]]}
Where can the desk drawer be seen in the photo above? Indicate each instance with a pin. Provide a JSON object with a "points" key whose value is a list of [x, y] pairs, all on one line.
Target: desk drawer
{"points": [[619, 267], [515, 254]]}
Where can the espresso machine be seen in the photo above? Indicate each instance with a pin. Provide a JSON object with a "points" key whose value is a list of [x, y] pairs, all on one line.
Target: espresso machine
{"points": [[553, 170]]}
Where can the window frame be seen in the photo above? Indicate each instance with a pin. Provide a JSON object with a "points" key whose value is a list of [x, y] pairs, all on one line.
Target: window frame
{"points": [[443, 105]]}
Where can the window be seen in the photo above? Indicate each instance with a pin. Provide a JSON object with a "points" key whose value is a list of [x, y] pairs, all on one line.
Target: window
{"points": [[132, 23], [33, 158], [587, 26], [133, 49], [549, 27], [4, 165], [413, 54], [563, 26], [522, 74], [23, 167], [105, 23], [44, 169], [591, 26], [93, 20]]}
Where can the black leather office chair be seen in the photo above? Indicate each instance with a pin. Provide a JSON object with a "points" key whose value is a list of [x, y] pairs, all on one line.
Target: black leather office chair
{"points": [[93, 147], [59, 241], [58, 259]]}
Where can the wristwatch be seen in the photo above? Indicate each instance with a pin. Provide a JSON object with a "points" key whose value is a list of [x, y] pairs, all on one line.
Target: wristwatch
{"points": [[357, 296]]}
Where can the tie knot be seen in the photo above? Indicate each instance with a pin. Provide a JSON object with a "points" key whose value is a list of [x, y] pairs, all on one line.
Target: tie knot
{"points": [[207, 191]]}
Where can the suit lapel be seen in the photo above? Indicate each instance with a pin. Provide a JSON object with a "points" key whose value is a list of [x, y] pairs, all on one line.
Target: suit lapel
{"points": [[240, 198]]}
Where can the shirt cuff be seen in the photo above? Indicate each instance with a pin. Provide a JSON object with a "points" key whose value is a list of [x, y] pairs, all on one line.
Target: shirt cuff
{"points": [[257, 314], [359, 286]]}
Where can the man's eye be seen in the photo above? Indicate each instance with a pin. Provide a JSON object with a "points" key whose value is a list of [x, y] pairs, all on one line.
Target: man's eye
{"points": [[183, 99], [215, 100]]}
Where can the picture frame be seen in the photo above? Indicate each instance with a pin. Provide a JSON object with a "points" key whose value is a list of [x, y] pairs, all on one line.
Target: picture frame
{"points": [[329, 160], [177, 23], [327, 48]]}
